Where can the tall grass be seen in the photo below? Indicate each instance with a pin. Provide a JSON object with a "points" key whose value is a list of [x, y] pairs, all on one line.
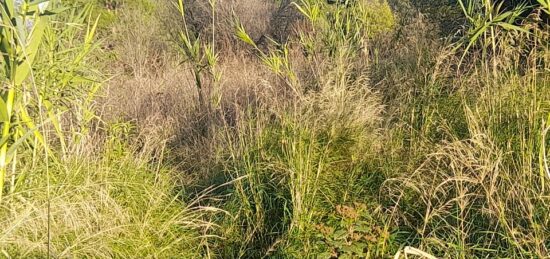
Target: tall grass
{"points": [[481, 192], [202, 58], [291, 152], [103, 207], [78, 187], [365, 132], [21, 38]]}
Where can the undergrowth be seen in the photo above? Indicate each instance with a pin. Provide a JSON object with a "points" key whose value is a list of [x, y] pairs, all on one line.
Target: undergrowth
{"points": [[285, 129]]}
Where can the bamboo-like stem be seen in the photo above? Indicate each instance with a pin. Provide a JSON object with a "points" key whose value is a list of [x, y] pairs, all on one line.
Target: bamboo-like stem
{"points": [[9, 100]]}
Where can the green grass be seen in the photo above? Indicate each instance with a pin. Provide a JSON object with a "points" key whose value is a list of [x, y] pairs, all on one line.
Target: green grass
{"points": [[372, 132], [101, 207]]}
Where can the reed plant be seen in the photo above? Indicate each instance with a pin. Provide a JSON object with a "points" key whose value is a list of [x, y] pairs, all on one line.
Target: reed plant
{"points": [[202, 57], [23, 26]]}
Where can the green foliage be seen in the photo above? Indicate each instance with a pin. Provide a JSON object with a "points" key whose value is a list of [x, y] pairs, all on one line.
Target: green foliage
{"points": [[98, 8], [280, 171], [23, 25], [202, 58], [46, 71], [544, 165], [545, 5], [488, 20], [297, 165], [108, 10], [364, 136], [65, 200], [103, 207], [346, 26], [351, 232], [469, 187]]}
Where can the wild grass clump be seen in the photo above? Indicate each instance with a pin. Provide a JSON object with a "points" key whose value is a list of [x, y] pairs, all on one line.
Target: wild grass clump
{"points": [[104, 207], [293, 157], [475, 187]]}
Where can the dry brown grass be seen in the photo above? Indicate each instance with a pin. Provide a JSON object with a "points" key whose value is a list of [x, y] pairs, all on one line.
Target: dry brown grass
{"points": [[255, 15], [156, 93], [163, 106]]}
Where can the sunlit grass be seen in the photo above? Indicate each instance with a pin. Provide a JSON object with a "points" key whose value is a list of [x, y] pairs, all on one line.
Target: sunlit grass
{"points": [[148, 132]]}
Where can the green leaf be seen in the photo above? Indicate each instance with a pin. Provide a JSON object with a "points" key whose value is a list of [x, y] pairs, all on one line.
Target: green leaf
{"points": [[363, 228], [546, 5], [512, 27], [340, 234], [30, 51], [21, 140], [357, 248], [243, 36], [3, 111]]}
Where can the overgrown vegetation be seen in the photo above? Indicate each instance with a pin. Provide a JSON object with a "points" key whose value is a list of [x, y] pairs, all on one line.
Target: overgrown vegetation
{"points": [[285, 129]]}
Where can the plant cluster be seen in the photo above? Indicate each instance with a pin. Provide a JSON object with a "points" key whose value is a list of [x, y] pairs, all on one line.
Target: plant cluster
{"points": [[284, 129]]}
